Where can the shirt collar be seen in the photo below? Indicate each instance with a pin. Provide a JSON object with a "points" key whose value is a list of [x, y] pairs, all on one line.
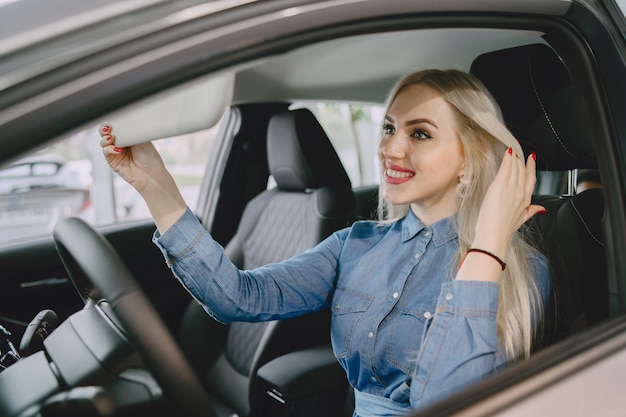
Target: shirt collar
{"points": [[442, 231]]}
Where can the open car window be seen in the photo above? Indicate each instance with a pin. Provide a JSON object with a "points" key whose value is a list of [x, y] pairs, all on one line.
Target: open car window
{"points": [[71, 178]]}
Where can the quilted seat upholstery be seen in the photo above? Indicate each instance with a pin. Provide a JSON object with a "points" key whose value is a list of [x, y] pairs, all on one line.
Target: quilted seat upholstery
{"points": [[312, 198]]}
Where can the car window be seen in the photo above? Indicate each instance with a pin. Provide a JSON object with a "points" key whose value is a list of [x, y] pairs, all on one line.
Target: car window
{"points": [[354, 131], [71, 178]]}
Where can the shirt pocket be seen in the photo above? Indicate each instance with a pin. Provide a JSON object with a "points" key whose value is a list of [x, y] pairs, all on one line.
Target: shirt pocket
{"points": [[347, 309], [406, 331]]}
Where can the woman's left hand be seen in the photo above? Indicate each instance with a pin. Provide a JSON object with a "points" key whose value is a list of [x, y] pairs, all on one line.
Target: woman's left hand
{"points": [[507, 204]]}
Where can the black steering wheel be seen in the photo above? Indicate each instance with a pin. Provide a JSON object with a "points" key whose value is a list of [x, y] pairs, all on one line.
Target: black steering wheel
{"points": [[93, 264]]}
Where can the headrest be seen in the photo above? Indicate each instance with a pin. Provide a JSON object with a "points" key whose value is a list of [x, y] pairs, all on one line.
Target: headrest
{"points": [[540, 105], [300, 155]]}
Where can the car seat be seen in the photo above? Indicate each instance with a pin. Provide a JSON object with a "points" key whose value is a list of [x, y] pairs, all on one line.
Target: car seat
{"points": [[547, 115], [311, 199]]}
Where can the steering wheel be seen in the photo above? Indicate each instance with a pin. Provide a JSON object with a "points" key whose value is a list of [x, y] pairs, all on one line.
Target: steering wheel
{"points": [[91, 261]]}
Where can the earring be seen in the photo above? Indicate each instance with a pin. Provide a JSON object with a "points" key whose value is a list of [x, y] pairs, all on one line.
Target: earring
{"points": [[461, 187]]}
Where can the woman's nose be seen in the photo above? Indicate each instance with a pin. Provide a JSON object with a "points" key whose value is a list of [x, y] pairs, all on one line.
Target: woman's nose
{"points": [[392, 146]]}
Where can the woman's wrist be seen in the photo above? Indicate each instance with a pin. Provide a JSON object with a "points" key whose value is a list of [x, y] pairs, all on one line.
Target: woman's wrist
{"points": [[164, 201], [484, 261], [495, 245], [476, 266], [489, 254]]}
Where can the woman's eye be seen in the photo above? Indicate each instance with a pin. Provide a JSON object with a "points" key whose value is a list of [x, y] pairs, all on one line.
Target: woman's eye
{"points": [[388, 130], [420, 134]]}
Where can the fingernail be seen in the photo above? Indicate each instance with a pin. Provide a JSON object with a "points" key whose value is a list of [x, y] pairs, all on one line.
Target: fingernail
{"points": [[105, 128], [118, 150], [510, 151], [107, 138], [542, 212], [534, 155]]}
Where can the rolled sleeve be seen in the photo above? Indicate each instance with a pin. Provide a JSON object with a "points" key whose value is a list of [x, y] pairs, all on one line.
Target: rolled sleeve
{"points": [[469, 298], [460, 344], [180, 239]]}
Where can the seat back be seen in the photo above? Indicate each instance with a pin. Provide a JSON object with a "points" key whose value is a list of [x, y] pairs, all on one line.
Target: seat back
{"points": [[545, 112], [311, 199]]}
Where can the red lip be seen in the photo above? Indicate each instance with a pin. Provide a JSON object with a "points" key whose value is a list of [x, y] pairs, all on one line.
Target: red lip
{"points": [[396, 181]]}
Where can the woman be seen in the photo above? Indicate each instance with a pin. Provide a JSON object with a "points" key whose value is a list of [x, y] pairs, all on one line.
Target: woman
{"points": [[440, 293]]}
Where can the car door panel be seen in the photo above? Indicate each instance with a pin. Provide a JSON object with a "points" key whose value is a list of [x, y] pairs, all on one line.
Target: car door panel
{"points": [[34, 279]]}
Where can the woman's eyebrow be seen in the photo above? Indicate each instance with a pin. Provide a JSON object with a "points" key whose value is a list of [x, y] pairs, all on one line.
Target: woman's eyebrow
{"points": [[414, 121], [420, 121]]}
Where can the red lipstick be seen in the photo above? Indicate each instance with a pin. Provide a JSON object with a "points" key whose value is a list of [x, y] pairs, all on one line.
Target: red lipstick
{"points": [[395, 174]]}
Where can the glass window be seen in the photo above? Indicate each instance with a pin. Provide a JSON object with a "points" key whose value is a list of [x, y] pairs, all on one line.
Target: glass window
{"points": [[354, 130], [71, 178]]}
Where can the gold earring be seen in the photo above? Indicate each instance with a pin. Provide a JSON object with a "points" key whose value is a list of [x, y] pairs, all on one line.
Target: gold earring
{"points": [[461, 187]]}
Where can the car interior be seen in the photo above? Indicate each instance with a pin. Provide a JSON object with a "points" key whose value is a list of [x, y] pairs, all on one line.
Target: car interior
{"points": [[287, 368], [312, 198], [548, 116]]}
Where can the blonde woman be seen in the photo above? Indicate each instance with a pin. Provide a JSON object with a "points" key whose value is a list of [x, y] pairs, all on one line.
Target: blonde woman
{"points": [[440, 293]]}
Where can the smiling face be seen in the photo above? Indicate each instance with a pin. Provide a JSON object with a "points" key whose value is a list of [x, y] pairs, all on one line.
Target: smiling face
{"points": [[421, 153]]}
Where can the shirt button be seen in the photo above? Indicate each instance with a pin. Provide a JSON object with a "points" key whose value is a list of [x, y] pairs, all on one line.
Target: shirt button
{"points": [[396, 295], [370, 335], [337, 306], [373, 379], [427, 314], [427, 232], [449, 296], [417, 256]]}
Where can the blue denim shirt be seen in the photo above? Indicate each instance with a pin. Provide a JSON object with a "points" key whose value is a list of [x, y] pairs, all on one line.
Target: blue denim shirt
{"points": [[404, 331]]}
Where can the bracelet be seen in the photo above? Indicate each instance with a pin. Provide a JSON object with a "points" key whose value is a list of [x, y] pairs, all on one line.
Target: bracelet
{"points": [[496, 258]]}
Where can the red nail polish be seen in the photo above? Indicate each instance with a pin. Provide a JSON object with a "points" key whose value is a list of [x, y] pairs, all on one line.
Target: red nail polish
{"points": [[105, 129], [534, 155], [107, 137], [510, 151], [118, 150], [542, 212]]}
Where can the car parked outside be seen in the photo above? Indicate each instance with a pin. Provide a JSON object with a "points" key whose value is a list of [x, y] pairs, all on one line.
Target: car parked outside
{"points": [[36, 192]]}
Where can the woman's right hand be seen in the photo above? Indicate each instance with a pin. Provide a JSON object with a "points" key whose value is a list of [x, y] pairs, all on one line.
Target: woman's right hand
{"points": [[136, 164], [142, 167]]}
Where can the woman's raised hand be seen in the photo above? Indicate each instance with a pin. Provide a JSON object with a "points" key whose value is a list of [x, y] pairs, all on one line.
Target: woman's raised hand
{"points": [[136, 164], [142, 167], [506, 206]]}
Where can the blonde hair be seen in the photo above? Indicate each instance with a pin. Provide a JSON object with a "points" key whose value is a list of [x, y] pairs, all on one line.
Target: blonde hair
{"points": [[484, 139]]}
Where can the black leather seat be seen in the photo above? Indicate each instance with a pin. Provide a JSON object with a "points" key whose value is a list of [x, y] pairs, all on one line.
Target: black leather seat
{"points": [[546, 113], [312, 198]]}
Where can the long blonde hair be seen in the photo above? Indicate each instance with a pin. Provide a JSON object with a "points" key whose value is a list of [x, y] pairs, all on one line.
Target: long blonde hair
{"points": [[484, 139]]}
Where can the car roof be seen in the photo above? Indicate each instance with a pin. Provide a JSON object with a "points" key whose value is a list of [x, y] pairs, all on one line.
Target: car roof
{"points": [[343, 69], [76, 55]]}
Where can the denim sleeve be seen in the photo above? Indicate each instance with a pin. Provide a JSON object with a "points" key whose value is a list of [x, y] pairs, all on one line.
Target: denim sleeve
{"points": [[460, 345], [461, 342], [294, 287]]}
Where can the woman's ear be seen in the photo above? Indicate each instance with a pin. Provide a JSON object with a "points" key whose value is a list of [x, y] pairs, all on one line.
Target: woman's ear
{"points": [[462, 168]]}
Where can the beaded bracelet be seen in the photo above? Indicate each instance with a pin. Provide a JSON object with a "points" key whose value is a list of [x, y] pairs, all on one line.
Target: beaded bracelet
{"points": [[497, 259]]}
